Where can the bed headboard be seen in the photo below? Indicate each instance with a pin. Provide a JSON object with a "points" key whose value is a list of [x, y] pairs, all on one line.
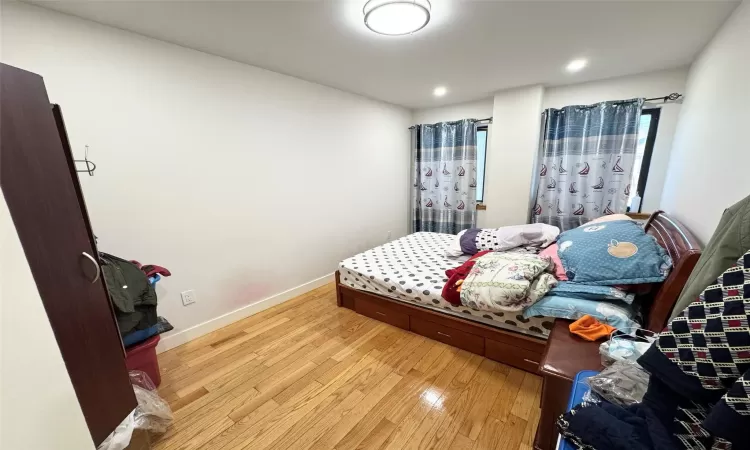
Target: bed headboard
{"points": [[684, 250]]}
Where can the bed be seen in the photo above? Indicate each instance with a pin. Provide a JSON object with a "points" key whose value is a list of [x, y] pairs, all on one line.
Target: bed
{"points": [[412, 269], [400, 283]]}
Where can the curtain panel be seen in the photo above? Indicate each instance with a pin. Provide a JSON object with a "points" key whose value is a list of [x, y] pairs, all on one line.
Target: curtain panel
{"points": [[444, 176], [586, 163]]}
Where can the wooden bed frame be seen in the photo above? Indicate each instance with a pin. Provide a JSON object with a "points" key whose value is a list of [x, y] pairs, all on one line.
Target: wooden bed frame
{"points": [[513, 348]]}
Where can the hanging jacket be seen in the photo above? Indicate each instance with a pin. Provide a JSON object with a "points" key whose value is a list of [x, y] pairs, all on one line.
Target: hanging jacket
{"points": [[132, 295], [730, 241]]}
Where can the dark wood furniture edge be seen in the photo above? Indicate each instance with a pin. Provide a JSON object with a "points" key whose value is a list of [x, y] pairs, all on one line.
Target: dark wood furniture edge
{"points": [[685, 249], [671, 290], [45, 207], [62, 130], [574, 354], [339, 299], [523, 350], [557, 383], [481, 207]]}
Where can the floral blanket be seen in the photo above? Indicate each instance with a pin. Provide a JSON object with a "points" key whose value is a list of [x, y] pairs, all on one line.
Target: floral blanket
{"points": [[507, 281]]}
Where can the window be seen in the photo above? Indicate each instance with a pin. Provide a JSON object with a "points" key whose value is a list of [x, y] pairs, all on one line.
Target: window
{"points": [[646, 138], [481, 158]]}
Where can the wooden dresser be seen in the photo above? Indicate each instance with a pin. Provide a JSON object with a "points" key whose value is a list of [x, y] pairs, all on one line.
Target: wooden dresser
{"points": [[564, 356]]}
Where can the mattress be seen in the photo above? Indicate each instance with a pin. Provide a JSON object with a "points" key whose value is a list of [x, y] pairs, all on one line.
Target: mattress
{"points": [[412, 270]]}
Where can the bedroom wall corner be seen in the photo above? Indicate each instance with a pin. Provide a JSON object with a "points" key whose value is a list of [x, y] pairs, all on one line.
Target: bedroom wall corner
{"points": [[246, 184], [479, 109], [708, 165], [511, 155]]}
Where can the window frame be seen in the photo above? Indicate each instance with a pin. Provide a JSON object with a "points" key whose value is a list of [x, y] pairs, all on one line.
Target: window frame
{"points": [[648, 151], [486, 129]]}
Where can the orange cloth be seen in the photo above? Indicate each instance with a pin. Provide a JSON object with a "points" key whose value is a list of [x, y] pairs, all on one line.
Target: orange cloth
{"points": [[590, 329]]}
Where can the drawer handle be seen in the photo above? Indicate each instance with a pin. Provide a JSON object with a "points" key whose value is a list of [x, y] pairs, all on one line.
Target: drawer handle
{"points": [[380, 313], [530, 361], [443, 334]]}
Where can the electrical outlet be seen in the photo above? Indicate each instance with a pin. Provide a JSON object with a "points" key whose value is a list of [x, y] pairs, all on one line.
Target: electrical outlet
{"points": [[389, 236], [188, 297]]}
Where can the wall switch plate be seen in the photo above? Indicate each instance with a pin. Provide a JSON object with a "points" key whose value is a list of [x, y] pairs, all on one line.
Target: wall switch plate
{"points": [[188, 297], [389, 236]]}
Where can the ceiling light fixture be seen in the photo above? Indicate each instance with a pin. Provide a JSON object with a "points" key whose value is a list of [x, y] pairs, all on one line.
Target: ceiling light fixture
{"points": [[576, 65], [396, 17], [439, 91]]}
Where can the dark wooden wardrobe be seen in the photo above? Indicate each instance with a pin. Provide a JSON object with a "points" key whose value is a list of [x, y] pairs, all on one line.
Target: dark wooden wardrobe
{"points": [[41, 189]]}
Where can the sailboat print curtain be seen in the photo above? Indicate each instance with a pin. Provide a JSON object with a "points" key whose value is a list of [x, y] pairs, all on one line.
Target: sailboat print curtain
{"points": [[587, 156], [444, 179]]}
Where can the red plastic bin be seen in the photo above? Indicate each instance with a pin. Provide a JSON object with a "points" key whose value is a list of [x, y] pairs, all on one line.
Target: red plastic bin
{"points": [[143, 357]]}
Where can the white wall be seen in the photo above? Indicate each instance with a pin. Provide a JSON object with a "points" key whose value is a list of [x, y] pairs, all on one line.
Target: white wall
{"points": [[648, 85], [710, 156], [480, 109], [511, 155], [243, 182], [38, 406]]}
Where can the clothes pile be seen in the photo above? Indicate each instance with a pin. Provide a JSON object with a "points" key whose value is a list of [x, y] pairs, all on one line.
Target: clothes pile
{"points": [[601, 266], [505, 272], [456, 277], [506, 281], [594, 270], [131, 289], [698, 395]]}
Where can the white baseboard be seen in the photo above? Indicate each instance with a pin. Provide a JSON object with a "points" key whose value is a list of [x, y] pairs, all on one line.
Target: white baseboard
{"points": [[181, 337]]}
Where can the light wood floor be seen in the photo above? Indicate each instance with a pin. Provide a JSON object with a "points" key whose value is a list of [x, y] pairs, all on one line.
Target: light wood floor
{"points": [[307, 374]]}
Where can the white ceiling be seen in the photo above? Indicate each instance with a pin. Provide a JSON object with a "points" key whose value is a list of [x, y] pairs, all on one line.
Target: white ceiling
{"points": [[474, 48]]}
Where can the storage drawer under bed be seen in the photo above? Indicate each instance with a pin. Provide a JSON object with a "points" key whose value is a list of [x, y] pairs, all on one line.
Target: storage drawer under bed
{"points": [[447, 335], [380, 310], [512, 355], [503, 346]]}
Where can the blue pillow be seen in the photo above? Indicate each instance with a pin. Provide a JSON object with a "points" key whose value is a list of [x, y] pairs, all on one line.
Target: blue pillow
{"points": [[617, 314], [591, 292], [616, 252]]}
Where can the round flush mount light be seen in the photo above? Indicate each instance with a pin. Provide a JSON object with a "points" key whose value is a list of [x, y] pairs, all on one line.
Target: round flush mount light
{"points": [[396, 17], [439, 91], [576, 65]]}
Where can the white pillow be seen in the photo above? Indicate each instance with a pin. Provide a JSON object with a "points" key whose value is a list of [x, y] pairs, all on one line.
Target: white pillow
{"points": [[454, 248], [608, 218], [474, 240]]}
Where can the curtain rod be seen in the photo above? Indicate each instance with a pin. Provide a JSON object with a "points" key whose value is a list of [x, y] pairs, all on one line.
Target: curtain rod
{"points": [[674, 96], [488, 120]]}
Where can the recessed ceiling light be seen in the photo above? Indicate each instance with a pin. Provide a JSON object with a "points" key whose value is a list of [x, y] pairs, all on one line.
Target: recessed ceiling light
{"points": [[439, 91], [396, 17], [576, 65]]}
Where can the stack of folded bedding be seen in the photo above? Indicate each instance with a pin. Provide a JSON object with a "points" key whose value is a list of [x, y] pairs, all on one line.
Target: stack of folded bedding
{"points": [[600, 265], [595, 269], [506, 281], [505, 272]]}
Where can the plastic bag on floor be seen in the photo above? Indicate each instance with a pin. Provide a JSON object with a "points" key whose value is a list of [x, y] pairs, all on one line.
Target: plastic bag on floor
{"points": [[152, 414], [120, 438]]}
